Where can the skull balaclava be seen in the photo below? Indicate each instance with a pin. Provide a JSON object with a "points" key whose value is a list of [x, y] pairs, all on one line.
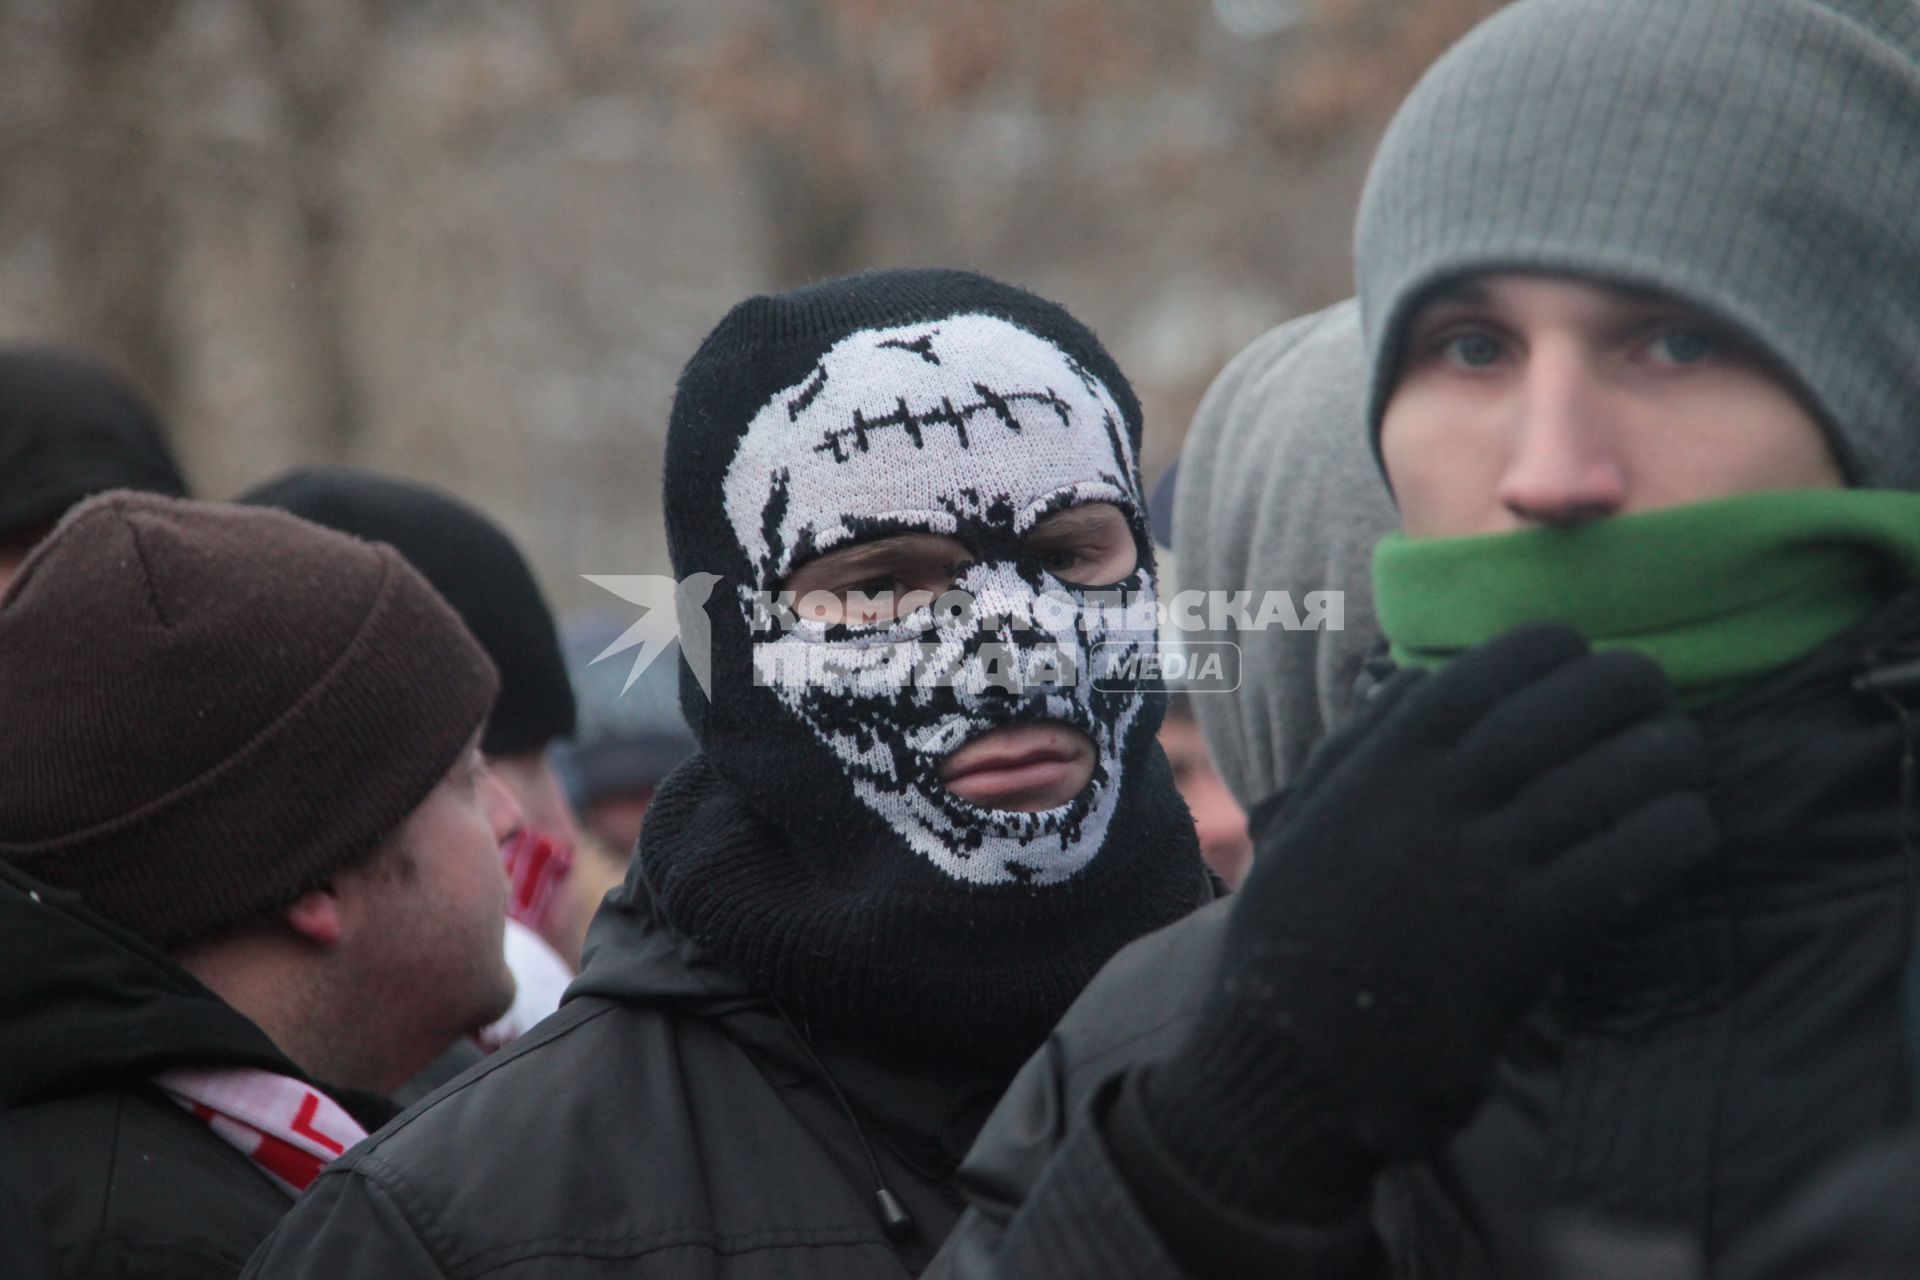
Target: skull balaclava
{"points": [[811, 847]]}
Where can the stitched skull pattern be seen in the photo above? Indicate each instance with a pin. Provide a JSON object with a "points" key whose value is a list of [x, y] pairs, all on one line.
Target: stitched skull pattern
{"points": [[973, 428]]}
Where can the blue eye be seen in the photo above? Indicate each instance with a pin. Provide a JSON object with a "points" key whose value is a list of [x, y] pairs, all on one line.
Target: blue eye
{"points": [[1472, 350], [1684, 346]]}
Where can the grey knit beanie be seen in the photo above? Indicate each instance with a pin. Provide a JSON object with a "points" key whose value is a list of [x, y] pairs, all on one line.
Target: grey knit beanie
{"points": [[1758, 159], [1276, 492]]}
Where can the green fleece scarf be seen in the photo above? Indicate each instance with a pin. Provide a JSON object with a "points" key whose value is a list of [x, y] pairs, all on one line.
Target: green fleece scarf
{"points": [[1718, 593]]}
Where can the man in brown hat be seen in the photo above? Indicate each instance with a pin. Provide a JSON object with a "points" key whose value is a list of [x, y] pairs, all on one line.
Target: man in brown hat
{"points": [[247, 844]]}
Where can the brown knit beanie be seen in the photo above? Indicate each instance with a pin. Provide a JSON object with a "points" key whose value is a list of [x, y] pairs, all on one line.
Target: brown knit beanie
{"points": [[207, 710]]}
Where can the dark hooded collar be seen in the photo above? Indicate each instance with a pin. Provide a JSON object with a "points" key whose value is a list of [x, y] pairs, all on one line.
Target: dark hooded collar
{"points": [[86, 1005], [635, 955]]}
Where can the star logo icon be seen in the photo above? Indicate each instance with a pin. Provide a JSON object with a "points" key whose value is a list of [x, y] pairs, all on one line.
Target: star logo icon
{"points": [[662, 600]]}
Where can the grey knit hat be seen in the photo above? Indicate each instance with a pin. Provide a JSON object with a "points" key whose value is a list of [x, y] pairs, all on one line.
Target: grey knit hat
{"points": [[1276, 491], [1758, 159]]}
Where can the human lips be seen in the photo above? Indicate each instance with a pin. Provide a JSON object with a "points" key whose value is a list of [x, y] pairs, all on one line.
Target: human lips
{"points": [[1020, 766]]}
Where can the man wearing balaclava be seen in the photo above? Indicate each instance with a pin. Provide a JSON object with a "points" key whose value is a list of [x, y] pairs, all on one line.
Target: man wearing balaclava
{"points": [[1584, 946], [927, 807]]}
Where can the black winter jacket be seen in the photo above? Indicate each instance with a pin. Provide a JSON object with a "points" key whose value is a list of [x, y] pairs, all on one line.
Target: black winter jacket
{"points": [[24, 1251], [125, 1183], [664, 1123], [1860, 1221], [1686, 1081]]}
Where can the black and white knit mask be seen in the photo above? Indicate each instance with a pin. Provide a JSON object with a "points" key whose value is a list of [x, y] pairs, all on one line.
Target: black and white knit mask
{"points": [[976, 429], [810, 846]]}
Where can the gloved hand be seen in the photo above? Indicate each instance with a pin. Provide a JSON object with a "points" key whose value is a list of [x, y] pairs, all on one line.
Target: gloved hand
{"points": [[1436, 863]]}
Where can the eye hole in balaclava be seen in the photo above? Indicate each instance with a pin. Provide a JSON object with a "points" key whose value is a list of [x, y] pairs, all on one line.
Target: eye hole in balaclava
{"points": [[974, 430]]}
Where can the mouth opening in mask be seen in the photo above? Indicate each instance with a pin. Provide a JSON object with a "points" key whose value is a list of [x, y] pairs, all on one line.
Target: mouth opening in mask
{"points": [[1023, 767], [921, 760]]}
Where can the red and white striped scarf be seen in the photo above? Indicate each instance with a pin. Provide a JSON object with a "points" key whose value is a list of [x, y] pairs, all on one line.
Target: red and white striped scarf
{"points": [[536, 866], [290, 1129]]}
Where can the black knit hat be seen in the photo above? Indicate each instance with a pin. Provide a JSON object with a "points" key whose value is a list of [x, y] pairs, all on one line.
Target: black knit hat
{"points": [[473, 563], [209, 710], [68, 428]]}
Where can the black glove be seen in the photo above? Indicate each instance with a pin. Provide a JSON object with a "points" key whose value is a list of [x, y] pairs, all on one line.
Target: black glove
{"points": [[1436, 863]]}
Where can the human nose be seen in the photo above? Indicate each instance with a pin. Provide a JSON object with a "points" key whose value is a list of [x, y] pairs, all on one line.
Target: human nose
{"points": [[1564, 468], [502, 808]]}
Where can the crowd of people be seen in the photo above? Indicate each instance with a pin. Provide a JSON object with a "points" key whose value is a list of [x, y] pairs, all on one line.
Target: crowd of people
{"points": [[1552, 915]]}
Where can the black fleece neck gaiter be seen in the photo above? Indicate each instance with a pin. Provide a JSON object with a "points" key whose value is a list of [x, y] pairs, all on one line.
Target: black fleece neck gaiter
{"points": [[812, 847]]}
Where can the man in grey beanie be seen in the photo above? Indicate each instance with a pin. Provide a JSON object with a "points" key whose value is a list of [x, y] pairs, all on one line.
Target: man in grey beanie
{"points": [[1276, 489], [1643, 360], [1275, 492]]}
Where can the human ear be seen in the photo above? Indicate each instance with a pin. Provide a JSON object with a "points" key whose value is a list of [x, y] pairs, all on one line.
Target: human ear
{"points": [[317, 916]]}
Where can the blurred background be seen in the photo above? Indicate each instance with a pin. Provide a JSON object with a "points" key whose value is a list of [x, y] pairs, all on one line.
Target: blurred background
{"points": [[471, 242]]}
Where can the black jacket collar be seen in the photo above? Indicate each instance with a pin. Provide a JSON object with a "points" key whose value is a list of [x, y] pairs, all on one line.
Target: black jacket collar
{"points": [[633, 954], [86, 1005]]}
